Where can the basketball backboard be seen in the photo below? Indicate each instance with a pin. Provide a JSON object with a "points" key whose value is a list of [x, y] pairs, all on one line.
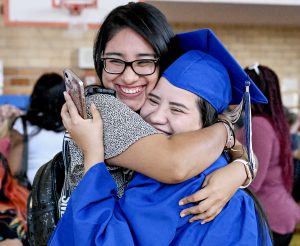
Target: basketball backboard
{"points": [[53, 13]]}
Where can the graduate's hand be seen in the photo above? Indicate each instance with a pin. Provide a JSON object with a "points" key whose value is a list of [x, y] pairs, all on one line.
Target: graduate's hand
{"points": [[218, 188], [87, 133]]}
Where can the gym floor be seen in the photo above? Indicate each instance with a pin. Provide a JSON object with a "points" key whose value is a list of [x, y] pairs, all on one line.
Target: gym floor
{"points": [[296, 237]]}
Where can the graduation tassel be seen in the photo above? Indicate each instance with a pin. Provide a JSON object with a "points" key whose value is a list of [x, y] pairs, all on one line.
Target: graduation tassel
{"points": [[248, 129], [235, 114]]}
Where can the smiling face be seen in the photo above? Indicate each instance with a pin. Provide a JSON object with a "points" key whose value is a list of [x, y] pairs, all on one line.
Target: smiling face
{"points": [[131, 89], [171, 110]]}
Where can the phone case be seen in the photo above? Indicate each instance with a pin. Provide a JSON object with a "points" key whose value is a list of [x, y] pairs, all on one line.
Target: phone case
{"points": [[75, 88]]}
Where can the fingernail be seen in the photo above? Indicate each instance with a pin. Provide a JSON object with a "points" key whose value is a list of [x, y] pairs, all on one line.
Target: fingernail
{"points": [[182, 214], [191, 220], [203, 222], [181, 203]]}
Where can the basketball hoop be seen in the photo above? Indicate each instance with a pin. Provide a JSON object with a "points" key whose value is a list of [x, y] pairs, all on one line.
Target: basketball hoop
{"points": [[76, 24], [74, 7]]}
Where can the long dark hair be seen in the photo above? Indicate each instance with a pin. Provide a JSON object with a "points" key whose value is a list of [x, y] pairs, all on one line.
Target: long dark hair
{"points": [[263, 224], [267, 81], [142, 18], [46, 102], [209, 116]]}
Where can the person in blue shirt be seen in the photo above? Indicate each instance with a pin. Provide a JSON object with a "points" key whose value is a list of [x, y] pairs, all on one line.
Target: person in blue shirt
{"points": [[191, 92]]}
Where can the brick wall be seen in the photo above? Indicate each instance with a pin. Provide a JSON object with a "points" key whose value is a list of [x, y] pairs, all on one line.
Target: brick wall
{"points": [[275, 46], [29, 51]]}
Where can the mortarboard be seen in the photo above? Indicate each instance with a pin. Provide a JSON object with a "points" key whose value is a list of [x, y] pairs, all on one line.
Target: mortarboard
{"points": [[203, 75], [206, 41], [208, 70]]}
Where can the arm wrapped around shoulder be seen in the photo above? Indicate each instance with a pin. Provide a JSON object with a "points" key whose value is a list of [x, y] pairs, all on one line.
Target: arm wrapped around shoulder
{"points": [[122, 126]]}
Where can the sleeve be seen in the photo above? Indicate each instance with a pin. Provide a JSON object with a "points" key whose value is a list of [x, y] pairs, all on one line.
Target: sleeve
{"points": [[121, 126], [262, 141], [18, 126], [95, 216]]}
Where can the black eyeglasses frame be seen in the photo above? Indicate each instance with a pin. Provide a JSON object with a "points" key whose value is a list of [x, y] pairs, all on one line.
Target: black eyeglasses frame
{"points": [[155, 61]]}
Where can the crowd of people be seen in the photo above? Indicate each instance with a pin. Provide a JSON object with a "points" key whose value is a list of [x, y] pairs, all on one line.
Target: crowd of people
{"points": [[178, 177]]}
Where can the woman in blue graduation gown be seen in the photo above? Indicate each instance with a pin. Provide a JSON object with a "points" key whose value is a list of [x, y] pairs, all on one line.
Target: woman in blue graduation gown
{"points": [[147, 213]]}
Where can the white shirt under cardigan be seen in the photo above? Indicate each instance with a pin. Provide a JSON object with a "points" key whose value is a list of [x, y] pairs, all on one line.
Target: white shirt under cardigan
{"points": [[41, 146]]}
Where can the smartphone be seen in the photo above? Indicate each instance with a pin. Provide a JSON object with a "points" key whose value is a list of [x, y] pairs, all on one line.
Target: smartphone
{"points": [[75, 88]]}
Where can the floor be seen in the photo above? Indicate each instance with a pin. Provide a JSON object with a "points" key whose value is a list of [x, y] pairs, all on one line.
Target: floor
{"points": [[296, 240], [296, 237]]}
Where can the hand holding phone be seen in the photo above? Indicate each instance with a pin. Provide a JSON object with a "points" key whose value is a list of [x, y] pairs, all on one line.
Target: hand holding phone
{"points": [[75, 88]]}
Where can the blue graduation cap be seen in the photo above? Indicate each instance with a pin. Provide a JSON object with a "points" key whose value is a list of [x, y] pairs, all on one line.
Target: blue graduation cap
{"points": [[208, 70], [206, 41], [203, 75]]}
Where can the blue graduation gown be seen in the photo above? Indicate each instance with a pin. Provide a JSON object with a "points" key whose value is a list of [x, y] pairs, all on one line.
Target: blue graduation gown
{"points": [[148, 214]]}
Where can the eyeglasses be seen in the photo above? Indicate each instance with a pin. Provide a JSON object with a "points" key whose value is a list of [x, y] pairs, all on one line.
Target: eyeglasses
{"points": [[140, 67]]}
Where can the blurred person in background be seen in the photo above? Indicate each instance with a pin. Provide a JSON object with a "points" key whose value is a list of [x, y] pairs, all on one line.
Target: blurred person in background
{"points": [[272, 146], [13, 197], [8, 113], [294, 123], [42, 127]]}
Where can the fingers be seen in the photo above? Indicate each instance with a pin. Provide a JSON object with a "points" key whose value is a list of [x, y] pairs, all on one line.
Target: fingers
{"points": [[212, 217], [192, 210], [96, 116], [201, 208], [205, 183], [196, 197], [205, 211], [208, 208], [206, 216], [71, 107], [95, 113], [64, 111], [65, 116]]}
